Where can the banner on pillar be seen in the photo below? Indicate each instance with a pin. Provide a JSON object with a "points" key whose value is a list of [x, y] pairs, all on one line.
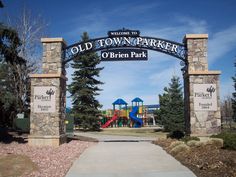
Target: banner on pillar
{"points": [[44, 99], [205, 97]]}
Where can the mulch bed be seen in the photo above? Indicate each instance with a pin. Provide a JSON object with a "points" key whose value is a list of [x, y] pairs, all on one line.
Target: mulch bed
{"points": [[205, 161]]}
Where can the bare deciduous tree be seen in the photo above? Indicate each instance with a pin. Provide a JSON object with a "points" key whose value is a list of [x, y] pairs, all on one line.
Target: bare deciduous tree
{"points": [[30, 30], [227, 111]]}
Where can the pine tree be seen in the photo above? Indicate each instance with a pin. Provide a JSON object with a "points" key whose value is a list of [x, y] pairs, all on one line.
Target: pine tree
{"points": [[10, 62], [171, 112], [84, 88], [234, 97]]}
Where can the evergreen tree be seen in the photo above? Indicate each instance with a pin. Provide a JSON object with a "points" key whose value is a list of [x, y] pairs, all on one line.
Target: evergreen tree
{"points": [[10, 62], [234, 97], [84, 88], [171, 112]]}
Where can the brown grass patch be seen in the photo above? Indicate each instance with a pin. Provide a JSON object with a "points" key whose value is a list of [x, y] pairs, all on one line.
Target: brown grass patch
{"points": [[16, 165]]}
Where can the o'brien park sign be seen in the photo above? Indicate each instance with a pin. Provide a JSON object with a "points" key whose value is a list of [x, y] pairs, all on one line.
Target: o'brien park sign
{"points": [[128, 45], [124, 54]]}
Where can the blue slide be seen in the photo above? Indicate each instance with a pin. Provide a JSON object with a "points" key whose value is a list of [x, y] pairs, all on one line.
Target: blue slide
{"points": [[133, 116]]}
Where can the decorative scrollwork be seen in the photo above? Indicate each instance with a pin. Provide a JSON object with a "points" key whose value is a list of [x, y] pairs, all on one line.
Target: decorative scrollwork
{"points": [[184, 65]]}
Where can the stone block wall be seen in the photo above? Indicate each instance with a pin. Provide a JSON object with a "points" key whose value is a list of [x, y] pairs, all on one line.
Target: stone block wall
{"points": [[202, 122], [53, 55], [197, 52], [47, 128], [48, 123]]}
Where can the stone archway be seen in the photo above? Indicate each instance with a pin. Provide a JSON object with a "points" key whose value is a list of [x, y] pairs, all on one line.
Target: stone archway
{"points": [[48, 90]]}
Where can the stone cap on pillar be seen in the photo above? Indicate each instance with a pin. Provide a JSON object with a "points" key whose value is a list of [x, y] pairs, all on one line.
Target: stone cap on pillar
{"points": [[53, 40], [204, 72], [195, 36], [48, 76]]}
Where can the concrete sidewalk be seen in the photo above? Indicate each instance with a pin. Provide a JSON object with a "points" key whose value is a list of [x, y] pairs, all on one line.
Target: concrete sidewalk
{"points": [[127, 159]]}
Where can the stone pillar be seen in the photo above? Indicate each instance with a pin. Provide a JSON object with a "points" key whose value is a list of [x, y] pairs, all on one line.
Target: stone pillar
{"points": [[48, 97], [201, 89]]}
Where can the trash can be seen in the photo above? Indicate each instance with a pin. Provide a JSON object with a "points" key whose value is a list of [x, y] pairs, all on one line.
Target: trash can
{"points": [[69, 123]]}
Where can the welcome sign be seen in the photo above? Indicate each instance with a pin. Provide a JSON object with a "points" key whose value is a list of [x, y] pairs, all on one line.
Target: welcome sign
{"points": [[205, 97], [126, 39], [44, 99]]}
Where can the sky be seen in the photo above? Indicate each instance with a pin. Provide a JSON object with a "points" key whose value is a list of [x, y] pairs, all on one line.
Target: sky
{"points": [[167, 19]]}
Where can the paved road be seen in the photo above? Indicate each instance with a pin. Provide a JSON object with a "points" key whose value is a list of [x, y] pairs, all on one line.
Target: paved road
{"points": [[127, 159]]}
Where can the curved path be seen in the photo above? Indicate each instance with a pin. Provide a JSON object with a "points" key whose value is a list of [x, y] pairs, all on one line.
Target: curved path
{"points": [[127, 159]]}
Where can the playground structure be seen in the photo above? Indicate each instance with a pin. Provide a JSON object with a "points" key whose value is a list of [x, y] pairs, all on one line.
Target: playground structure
{"points": [[136, 116]]}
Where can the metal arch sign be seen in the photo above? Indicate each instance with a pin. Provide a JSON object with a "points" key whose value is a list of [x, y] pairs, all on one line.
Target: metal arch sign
{"points": [[126, 39]]}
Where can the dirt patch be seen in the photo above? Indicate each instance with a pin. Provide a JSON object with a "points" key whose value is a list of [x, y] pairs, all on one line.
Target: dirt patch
{"points": [[206, 160], [16, 165]]}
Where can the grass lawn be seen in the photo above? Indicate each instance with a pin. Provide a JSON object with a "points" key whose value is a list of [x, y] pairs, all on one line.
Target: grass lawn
{"points": [[138, 132]]}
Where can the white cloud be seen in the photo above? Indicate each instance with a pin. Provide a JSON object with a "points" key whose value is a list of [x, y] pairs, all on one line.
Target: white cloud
{"points": [[182, 25], [99, 21], [221, 43], [162, 78], [194, 25]]}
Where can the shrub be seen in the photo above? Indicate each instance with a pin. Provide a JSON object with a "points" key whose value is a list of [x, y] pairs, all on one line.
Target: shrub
{"points": [[218, 142], [174, 144], [194, 143], [177, 134], [180, 148], [228, 138], [190, 138]]}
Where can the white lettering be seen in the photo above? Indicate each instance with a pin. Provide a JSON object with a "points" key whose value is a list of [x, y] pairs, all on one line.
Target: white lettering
{"points": [[132, 54], [112, 55], [108, 41], [126, 40], [160, 44], [117, 41], [138, 55], [174, 48], [145, 42], [168, 45], [80, 48], [101, 42], [105, 55], [74, 50], [144, 54], [139, 39], [118, 55], [153, 42], [88, 45]]}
